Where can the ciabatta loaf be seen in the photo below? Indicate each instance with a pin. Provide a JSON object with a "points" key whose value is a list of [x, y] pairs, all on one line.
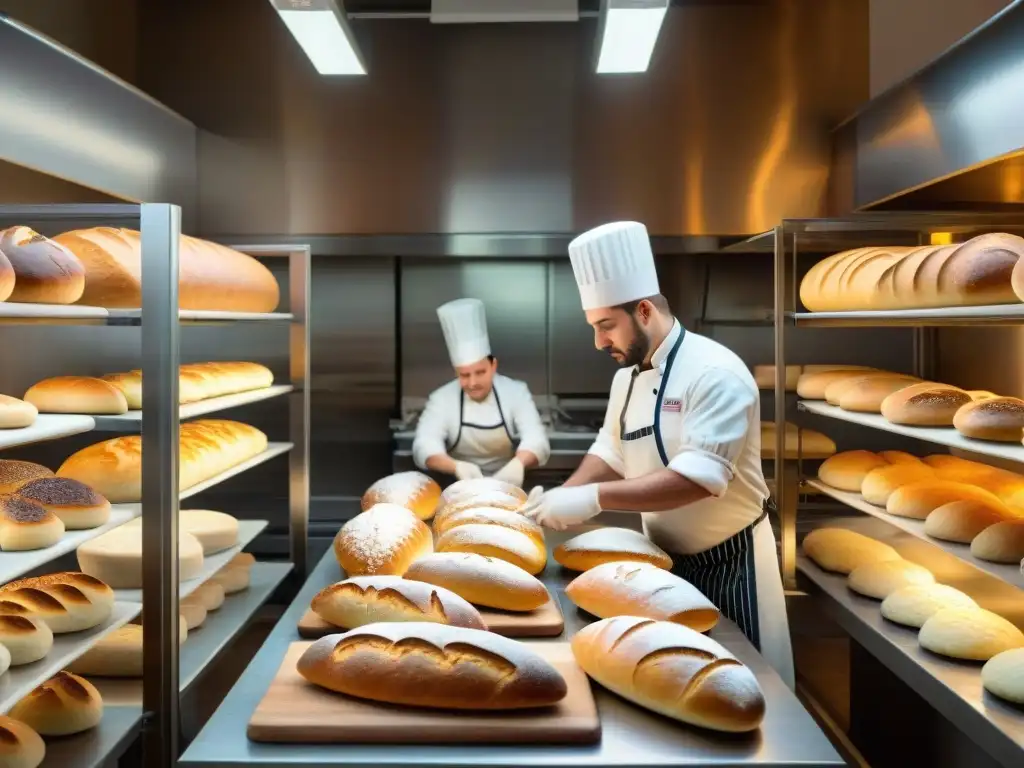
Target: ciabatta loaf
{"points": [[384, 540], [641, 589], [607, 545], [847, 470], [496, 541], [413, 490], [66, 602], [913, 605], [432, 665], [482, 580], [63, 705], [672, 670], [20, 746], [880, 578], [369, 599], [464, 490], [1003, 675], [971, 634], [840, 550], [45, 271], [1000, 419], [1000, 543]]}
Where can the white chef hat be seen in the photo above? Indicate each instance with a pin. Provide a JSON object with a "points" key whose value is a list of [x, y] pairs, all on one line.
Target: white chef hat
{"points": [[613, 264], [464, 323]]}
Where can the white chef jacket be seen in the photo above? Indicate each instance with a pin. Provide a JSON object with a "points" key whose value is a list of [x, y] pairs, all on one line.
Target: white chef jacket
{"points": [[443, 422], [710, 426]]}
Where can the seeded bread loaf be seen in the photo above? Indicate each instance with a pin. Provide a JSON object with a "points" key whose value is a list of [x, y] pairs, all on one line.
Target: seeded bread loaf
{"points": [[1000, 419]]}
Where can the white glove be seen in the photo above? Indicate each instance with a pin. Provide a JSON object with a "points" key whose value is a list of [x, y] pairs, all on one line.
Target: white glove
{"points": [[513, 472], [561, 507], [467, 470]]}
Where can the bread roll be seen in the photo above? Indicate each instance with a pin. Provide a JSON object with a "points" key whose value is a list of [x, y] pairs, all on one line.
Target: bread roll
{"points": [[1003, 675], [1000, 419], [413, 490], [487, 581], [495, 541], [16, 414], [880, 578], [63, 705], [130, 385], [384, 540], [116, 557], [20, 746], [672, 670], [764, 376], [119, 654], [918, 500], [641, 589], [77, 505], [847, 470], [14, 474], [961, 521], [913, 605], [76, 394], [25, 525], [211, 594], [245, 559], [208, 448], [504, 518], [212, 276], [464, 490], [369, 599], [45, 271], [423, 664], [969, 633], [66, 602], [812, 386], [1002, 542], [810, 443], [607, 545], [193, 612], [495, 499], [26, 639], [866, 394], [880, 483], [232, 578], [924, 405], [841, 551], [900, 457]]}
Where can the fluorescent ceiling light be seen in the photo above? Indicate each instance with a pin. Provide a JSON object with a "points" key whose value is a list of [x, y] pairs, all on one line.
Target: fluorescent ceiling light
{"points": [[322, 31], [629, 30], [482, 11]]}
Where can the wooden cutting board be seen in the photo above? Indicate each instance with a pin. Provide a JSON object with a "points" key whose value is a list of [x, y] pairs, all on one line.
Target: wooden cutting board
{"points": [[546, 621], [298, 712]]}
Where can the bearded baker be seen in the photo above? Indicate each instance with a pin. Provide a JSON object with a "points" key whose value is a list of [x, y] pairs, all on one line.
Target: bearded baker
{"points": [[680, 442], [481, 423]]}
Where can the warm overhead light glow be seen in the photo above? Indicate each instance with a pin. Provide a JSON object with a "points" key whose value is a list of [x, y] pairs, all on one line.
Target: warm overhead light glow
{"points": [[629, 30], [324, 36], [941, 238]]}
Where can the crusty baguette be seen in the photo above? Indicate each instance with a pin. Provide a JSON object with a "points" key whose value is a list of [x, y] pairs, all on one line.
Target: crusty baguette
{"points": [[384, 540], [415, 491], [370, 599]]}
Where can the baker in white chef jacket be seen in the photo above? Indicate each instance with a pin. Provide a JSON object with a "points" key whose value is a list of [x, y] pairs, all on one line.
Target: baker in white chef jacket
{"points": [[471, 426], [680, 444]]}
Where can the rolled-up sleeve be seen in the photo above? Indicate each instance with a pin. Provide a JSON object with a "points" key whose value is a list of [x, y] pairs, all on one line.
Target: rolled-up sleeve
{"points": [[431, 432], [533, 437], [716, 426], [607, 447]]}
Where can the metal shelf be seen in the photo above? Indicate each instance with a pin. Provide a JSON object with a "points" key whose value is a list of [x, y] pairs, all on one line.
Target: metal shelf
{"points": [[134, 316], [47, 426], [132, 421], [996, 314], [75, 313], [93, 748], [273, 450]]}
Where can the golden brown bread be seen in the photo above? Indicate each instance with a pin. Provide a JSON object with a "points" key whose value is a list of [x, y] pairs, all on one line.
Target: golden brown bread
{"points": [[503, 543], [413, 490], [77, 505], [924, 405], [14, 474], [45, 271], [840, 550], [119, 654], [384, 540], [20, 746], [368, 599], [969, 633], [76, 394], [505, 518], [432, 665], [961, 521], [63, 705], [482, 580], [812, 385], [917, 500], [764, 376], [199, 381], [847, 470], [672, 670], [900, 457], [865, 395], [995, 418], [607, 545], [880, 483], [464, 490], [66, 602], [494, 499], [1000, 543]]}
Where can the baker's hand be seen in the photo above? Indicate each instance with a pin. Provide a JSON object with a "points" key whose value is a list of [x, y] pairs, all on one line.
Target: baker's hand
{"points": [[467, 470], [561, 507], [512, 472]]}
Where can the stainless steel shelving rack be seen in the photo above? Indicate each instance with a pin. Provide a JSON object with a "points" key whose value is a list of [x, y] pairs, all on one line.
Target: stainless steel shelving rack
{"points": [[160, 321]]}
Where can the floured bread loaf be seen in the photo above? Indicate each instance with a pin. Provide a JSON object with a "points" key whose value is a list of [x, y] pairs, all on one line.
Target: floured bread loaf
{"points": [[494, 499], [116, 557], [20, 746], [369, 599], [999, 419], [912, 606], [962, 521], [26, 525], [495, 541], [641, 589], [384, 540], [16, 414], [880, 483], [464, 490], [1003, 675], [77, 505], [607, 545], [413, 490], [1000, 543], [119, 654], [840, 550], [924, 405], [432, 665], [504, 518], [487, 581], [847, 470], [972, 634], [65, 602], [26, 639], [672, 670], [14, 474], [63, 705], [880, 578], [918, 500]]}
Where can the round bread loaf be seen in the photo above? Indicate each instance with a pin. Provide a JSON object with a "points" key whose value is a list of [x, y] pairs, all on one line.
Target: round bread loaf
{"points": [[1002, 542], [924, 405], [642, 589], [1003, 675], [20, 746], [45, 271], [26, 525], [384, 540], [961, 521], [847, 470], [973, 634], [119, 654], [672, 670], [210, 594], [63, 705], [999, 419], [880, 483], [422, 664], [16, 414], [77, 505], [232, 578], [900, 457], [865, 395], [840, 550], [66, 602], [76, 394], [413, 490], [14, 474], [607, 545], [26, 639], [505, 518], [495, 499], [193, 612], [495, 541], [130, 385], [918, 500], [812, 386], [487, 581], [912, 606], [116, 557], [464, 490], [369, 599], [880, 578]]}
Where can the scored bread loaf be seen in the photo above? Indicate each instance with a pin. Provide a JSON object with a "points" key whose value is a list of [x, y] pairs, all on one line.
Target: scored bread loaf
{"points": [[16, 414], [64, 705], [962, 521], [76, 394], [463, 490], [14, 474], [672, 670], [913, 605], [880, 578], [208, 448], [26, 639], [503, 543], [1003, 675], [369, 599], [422, 664], [924, 405], [847, 470], [115, 557], [840, 550], [918, 500], [65, 602], [494, 499], [865, 395], [119, 654], [45, 271], [413, 490], [807, 442], [1000, 543], [384, 540], [212, 276], [505, 518], [880, 483], [20, 746], [641, 589], [973, 634], [999, 419], [77, 505], [482, 580], [26, 525], [607, 545]]}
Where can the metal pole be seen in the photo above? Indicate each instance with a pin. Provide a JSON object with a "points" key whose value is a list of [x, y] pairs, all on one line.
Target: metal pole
{"points": [[299, 268], [161, 230], [785, 490]]}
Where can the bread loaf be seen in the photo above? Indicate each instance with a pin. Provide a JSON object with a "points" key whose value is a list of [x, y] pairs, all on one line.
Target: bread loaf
{"points": [[641, 589], [607, 545], [495, 499], [880, 578], [26, 639], [384, 540], [211, 277], [764, 376], [865, 395], [63, 705], [232, 578], [808, 442], [1003, 675], [369, 599], [14, 474], [847, 470], [999, 419], [505, 518], [913, 605], [211, 594], [961, 521], [959, 470], [812, 386], [924, 405], [76, 394], [193, 612], [130, 385], [208, 448], [840, 550], [413, 490], [16, 414], [917, 500], [900, 457], [45, 271], [77, 505], [879, 484], [465, 490], [246, 559], [495, 541], [432, 665], [672, 670], [116, 557], [20, 746], [119, 654], [487, 581], [1002, 542], [65, 602], [25, 525], [972, 634], [198, 381]]}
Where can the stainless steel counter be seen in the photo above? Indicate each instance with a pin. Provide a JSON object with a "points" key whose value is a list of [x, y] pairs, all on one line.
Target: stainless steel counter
{"points": [[631, 736]]}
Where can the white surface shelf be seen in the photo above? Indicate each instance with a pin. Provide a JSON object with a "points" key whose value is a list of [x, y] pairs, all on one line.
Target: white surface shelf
{"points": [[273, 450], [1011, 574], [77, 313], [995, 314], [133, 419], [48, 426], [206, 316], [938, 435]]}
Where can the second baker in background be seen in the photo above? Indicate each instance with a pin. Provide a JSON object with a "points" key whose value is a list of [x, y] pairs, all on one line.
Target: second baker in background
{"points": [[680, 443], [471, 426]]}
